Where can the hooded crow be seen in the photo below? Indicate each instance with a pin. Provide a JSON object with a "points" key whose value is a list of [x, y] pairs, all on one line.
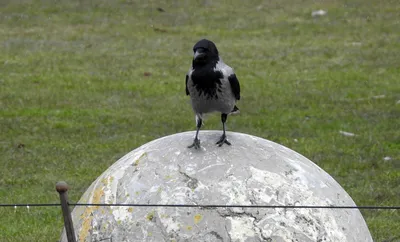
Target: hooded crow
{"points": [[212, 86]]}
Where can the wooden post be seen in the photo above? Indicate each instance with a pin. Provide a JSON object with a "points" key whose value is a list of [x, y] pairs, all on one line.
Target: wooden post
{"points": [[62, 189]]}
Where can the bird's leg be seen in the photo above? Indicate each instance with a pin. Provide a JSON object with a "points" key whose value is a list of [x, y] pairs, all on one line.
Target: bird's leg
{"points": [[196, 141], [223, 139]]}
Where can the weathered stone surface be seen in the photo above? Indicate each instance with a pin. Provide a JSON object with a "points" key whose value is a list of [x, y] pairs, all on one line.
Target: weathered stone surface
{"points": [[253, 171]]}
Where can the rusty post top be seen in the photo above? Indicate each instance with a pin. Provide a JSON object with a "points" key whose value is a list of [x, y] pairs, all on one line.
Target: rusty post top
{"points": [[61, 186]]}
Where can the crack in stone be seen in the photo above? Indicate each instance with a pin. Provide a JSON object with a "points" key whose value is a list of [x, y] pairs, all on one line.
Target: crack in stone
{"points": [[216, 235], [192, 183], [227, 232], [231, 214], [255, 221], [265, 238]]}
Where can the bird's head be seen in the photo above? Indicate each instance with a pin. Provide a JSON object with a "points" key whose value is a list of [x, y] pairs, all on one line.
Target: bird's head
{"points": [[204, 52]]}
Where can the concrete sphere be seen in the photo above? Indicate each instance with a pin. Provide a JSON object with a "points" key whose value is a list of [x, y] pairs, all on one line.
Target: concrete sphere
{"points": [[252, 171]]}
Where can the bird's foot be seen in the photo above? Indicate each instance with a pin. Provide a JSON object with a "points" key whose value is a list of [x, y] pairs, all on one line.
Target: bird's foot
{"points": [[222, 141], [196, 144]]}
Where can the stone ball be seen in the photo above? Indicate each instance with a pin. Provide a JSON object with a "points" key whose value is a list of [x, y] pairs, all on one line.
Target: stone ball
{"points": [[252, 171]]}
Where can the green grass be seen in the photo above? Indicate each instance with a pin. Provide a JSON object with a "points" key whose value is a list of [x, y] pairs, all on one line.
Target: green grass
{"points": [[73, 92]]}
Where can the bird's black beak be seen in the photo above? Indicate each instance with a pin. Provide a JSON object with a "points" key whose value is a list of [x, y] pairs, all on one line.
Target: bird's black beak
{"points": [[199, 55]]}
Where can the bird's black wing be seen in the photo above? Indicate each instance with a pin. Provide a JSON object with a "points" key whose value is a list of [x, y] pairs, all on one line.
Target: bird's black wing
{"points": [[187, 90], [235, 86]]}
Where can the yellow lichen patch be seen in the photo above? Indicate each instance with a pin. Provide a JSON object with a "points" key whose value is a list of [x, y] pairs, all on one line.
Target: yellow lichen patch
{"points": [[138, 160], [197, 218], [130, 210], [86, 225], [87, 215], [97, 195], [150, 216], [189, 228], [104, 180], [107, 180]]}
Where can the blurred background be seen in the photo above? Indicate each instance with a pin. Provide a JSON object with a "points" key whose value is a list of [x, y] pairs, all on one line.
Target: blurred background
{"points": [[84, 82]]}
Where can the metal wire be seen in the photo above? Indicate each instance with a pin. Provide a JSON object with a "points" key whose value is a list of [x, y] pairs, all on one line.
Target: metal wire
{"points": [[202, 206]]}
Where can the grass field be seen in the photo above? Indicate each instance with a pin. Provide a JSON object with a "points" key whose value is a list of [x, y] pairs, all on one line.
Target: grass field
{"points": [[84, 82]]}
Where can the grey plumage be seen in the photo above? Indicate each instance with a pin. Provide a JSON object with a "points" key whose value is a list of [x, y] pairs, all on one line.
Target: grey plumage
{"points": [[224, 99], [212, 86]]}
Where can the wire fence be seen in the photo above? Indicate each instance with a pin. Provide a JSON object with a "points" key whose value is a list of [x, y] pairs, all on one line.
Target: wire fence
{"points": [[62, 189], [198, 206]]}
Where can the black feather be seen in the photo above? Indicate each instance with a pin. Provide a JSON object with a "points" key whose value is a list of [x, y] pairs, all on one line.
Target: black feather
{"points": [[207, 81], [235, 109], [235, 86], [187, 90]]}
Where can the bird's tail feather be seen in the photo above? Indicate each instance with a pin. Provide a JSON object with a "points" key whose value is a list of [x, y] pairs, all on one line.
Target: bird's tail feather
{"points": [[235, 110]]}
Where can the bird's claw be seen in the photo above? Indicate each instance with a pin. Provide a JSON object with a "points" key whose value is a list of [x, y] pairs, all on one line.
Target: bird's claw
{"points": [[196, 144], [222, 141]]}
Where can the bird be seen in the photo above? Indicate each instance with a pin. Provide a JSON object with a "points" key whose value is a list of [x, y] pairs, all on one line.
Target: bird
{"points": [[212, 86]]}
